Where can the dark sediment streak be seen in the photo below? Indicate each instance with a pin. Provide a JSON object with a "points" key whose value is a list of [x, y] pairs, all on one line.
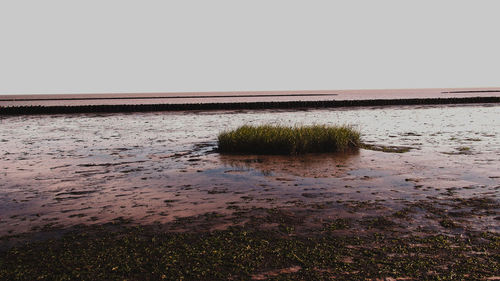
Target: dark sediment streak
{"points": [[20, 110], [471, 91]]}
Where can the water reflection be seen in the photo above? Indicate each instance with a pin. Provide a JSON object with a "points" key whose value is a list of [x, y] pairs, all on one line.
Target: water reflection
{"points": [[308, 165]]}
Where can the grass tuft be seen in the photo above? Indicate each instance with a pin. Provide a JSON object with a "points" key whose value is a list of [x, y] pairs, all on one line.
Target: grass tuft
{"points": [[275, 139]]}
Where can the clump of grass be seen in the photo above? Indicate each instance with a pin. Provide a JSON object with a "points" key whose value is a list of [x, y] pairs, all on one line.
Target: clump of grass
{"points": [[271, 139]]}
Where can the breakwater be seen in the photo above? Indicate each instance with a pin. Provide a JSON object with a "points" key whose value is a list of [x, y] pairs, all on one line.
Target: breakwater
{"points": [[117, 108]]}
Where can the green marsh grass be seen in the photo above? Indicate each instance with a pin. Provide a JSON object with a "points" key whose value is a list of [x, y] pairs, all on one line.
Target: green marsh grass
{"points": [[276, 139]]}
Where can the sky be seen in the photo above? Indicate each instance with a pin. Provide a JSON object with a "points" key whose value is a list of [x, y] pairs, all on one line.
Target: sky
{"points": [[113, 46]]}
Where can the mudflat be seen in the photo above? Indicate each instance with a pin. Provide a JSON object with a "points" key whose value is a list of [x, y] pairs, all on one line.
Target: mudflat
{"points": [[151, 197]]}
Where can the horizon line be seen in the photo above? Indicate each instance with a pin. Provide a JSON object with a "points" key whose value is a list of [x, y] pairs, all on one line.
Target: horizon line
{"points": [[316, 92]]}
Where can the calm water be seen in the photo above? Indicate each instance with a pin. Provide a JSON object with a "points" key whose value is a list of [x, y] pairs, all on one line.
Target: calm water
{"points": [[228, 97], [155, 167]]}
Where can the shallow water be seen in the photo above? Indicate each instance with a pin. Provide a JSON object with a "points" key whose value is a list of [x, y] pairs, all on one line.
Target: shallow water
{"points": [[62, 170], [238, 97]]}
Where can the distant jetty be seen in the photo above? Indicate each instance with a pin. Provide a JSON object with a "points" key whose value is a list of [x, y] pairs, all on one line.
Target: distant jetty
{"points": [[116, 108]]}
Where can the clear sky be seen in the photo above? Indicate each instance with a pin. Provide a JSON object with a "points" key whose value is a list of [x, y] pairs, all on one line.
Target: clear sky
{"points": [[97, 46]]}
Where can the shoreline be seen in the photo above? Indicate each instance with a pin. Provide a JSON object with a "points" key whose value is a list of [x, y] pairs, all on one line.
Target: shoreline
{"points": [[121, 108]]}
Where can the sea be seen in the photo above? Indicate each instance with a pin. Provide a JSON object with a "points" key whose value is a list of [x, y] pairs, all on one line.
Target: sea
{"points": [[7, 100]]}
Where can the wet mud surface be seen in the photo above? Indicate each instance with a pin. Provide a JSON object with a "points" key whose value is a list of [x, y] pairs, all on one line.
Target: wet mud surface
{"points": [[146, 196], [144, 168]]}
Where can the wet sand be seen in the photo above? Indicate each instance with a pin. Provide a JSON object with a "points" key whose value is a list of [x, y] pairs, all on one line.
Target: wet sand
{"points": [[144, 196], [65, 170]]}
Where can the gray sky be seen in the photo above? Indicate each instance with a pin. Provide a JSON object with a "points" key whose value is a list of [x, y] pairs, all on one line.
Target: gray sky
{"points": [[163, 46]]}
